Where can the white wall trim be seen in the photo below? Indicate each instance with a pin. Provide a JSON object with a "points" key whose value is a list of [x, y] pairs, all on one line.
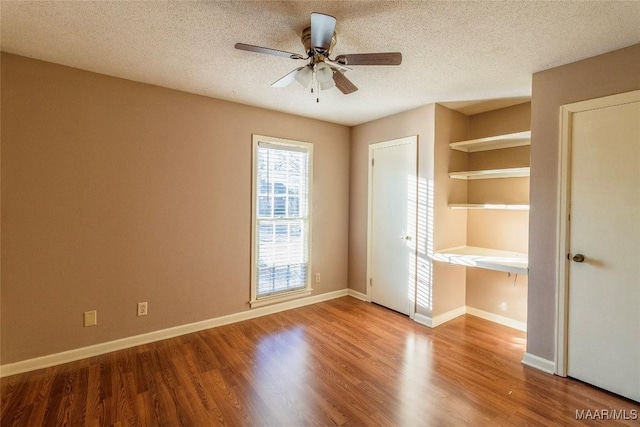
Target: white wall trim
{"points": [[496, 318], [423, 320], [357, 295], [438, 320], [449, 315], [562, 239], [413, 140], [562, 221], [121, 344], [269, 141], [432, 322], [539, 363], [279, 298]]}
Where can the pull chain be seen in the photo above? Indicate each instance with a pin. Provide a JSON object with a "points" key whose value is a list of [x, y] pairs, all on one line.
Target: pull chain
{"points": [[315, 82], [313, 78]]}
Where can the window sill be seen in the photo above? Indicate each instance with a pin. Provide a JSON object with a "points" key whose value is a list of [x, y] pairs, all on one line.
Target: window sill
{"points": [[280, 298]]}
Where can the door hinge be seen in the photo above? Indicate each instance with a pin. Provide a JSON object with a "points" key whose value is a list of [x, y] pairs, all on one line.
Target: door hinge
{"points": [[373, 161], [370, 282]]}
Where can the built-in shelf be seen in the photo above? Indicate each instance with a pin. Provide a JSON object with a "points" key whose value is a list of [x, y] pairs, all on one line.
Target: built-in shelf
{"points": [[494, 206], [493, 142], [490, 259], [491, 173]]}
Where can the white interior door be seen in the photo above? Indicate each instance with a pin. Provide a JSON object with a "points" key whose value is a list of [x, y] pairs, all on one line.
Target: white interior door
{"points": [[392, 223], [603, 346]]}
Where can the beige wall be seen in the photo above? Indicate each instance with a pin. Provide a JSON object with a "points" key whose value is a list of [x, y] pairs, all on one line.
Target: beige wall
{"points": [[507, 230], [449, 226], [501, 121], [444, 287], [115, 192], [440, 287], [415, 122], [493, 291], [497, 293], [0, 208], [608, 74]]}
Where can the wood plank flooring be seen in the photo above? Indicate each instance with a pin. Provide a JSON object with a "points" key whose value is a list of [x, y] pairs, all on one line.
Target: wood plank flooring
{"points": [[340, 362]]}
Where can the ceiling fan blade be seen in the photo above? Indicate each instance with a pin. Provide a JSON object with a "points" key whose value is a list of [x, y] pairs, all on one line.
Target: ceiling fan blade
{"points": [[268, 51], [287, 79], [386, 58], [322, 28], [337, 65], [343, 83]]}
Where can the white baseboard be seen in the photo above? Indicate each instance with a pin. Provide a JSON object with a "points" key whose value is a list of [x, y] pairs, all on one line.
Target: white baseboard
{"points": [[121, 344], [538, 362], [358, 295], [496, 318], [434, 321], [423, 320], [449, 315]]}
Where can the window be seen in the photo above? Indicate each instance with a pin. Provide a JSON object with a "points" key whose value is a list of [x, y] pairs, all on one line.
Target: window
{"points": [[281, 237]]}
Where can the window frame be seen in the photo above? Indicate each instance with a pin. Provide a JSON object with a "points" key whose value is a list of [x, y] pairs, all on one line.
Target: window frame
{"points": [[256, 300]]}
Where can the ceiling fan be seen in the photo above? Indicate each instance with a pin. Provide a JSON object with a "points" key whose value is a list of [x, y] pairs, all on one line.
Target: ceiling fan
{"points": [[322, 71]]}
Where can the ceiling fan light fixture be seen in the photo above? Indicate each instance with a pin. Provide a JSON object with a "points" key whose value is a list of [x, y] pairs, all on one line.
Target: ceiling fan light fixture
{"points": [[327, 85], [324, 73], [304, 76]]}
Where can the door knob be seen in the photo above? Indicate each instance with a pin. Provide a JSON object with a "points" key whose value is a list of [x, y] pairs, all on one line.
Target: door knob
{"points": [[578, 258]]}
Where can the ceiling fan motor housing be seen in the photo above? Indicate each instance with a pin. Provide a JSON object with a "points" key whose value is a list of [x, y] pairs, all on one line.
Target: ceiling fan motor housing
{"points": [[306, 42]]}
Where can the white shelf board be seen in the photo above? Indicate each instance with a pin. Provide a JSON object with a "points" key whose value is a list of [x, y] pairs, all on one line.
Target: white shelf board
{"points": [[517, 139], [490, 259], [494, 206], [492, 173]]}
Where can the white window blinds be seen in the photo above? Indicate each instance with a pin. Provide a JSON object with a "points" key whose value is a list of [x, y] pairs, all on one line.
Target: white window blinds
{"points": [[281, 215]]}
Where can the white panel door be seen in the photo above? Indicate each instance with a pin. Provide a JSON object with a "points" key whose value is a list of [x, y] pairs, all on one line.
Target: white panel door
{"points": [[392, 223], [603, 345]]}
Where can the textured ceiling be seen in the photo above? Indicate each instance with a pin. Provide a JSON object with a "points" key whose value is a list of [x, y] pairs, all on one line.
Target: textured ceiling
{"points": [[452, 51]]}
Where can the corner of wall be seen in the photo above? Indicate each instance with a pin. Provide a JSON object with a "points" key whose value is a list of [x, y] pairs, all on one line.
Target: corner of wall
{"points": [[449, 226]]}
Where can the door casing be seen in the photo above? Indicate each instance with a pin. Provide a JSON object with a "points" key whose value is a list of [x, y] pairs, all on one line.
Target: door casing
{"points": [[413, 140], [564, 194]]}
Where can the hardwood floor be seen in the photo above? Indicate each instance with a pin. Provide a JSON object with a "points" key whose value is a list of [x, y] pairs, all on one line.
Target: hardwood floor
{"points": [[340, 362]]}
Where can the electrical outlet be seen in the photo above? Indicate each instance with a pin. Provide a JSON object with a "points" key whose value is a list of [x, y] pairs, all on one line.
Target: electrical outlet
{"points": [[317, 277], [90, 318], [142, 309]]}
